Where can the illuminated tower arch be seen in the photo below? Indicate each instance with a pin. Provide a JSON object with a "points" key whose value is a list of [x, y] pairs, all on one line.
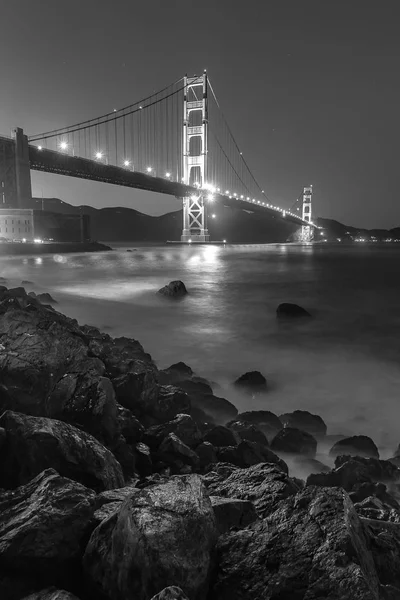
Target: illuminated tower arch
{"points": [[307, 231], [195, 148]]}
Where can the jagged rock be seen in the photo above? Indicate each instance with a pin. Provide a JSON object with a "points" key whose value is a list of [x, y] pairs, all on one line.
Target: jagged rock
{"points": [[46, 298], [210, 408], [174, 289], [294, 441], [129, 426], [207, 454], [222, 436], [162, 406], [139, 383], [249, 453], [51, 593], [384, 542], [232, 512], [143, 460], [374, 508], [263, 484], [312, 546], [162, 536], [183, 426], [252, 382], [269, 423], [117, 495], [172, 592], [305, 421], [174, 452], [357, 445], [378, 470], [43, 526], [219, 472], [247, 431], [287, 310], [175, 373], [37, 443]]}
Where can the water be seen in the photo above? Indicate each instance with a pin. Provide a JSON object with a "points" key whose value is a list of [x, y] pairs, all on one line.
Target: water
{"points": [[343, 364]]}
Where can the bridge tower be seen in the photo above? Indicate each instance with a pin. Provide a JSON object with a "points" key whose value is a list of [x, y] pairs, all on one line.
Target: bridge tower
{"points": [[195, 125], [15, 175], [307, 232]]}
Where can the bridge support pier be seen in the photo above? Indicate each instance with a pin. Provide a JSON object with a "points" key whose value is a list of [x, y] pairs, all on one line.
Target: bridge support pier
{"points": [[194, 220], [307, 231], [22, 169]]}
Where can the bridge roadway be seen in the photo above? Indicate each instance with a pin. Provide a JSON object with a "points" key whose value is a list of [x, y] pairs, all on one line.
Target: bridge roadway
{"points": [[58, 163]]}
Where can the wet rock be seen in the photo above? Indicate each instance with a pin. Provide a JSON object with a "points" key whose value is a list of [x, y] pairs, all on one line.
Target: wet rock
{"points": [[207, 454], [162, 406], [384, 542], [175, 373], [222, 436], [162, 536], [143, 460], [112, 496], [135, 386], [210, 408], [357, 445], [247, 431], [375, 509], [129, 426], [252, 382], [287, 310], [200, 388], [183, 426], [249, 453], [232, 512], [172, 592], [378, 470], [51, 593], [312, 546], [173, 451], [305, 421], [174, 289], [294, 441], [265, 420], [43, 526], [37, 443], [46, 298], [219, 472], [265, 485]]}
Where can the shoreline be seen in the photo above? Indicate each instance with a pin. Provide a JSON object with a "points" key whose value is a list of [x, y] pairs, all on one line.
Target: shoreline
{"points": [[15, 248]]}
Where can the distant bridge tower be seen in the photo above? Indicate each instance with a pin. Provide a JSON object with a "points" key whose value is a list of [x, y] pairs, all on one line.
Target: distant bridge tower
{"points": [[307, 232], [195, 125]]}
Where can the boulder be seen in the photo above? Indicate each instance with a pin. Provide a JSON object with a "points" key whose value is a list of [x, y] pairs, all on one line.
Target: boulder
{"points": [[136, 385], [294, 441], [51, 593], [43, 528], [172, 592], [248, 453], [252, 382], [265, 485], [311, 546], [207, 454], [183, 426], [162, 406], [384, 543], [112, 496], [174, 289], [222, 436], [376, 509], [143, 460], [248, 431], [37, 443], [210, 408], [357, 445], [305, 421], [162, 536], [265, 420], [46, 298], [175, 373], [175, 453], [129, 426], [287, 310], [232, 512]]}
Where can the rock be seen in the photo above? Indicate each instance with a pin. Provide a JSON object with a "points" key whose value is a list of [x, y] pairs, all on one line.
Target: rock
{"points": [[162, 406], [46, 298], [249, 432], [232, 512], [175, 373], [162, 536], [37, 443], [375, 509], [265, 420], [252, 382], [129, 250], [183, 426], [249, 453], [384, 542], [143, 460], [129, 426], [389, 592], [51, 593], [291, 311], [135, 386], [43, 528], [294, 441], [112, 496], [312, 546], [175, 453], [265, 485], [378, 470], [357, 445], [305, 421], [210, 408], [174, 289], [222, 436], [172, 592], [207, 454]]}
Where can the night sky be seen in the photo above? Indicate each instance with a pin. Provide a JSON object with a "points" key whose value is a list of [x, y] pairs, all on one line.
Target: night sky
{"points": [[310, 88]]}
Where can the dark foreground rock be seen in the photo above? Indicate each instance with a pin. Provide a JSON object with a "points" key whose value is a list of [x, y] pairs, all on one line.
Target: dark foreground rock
{"points": [[312, 546], [265, 420], [36, 443], [233, 513], [51, 594], [294, 441], [287, 310], [162, 536], [172, 592], [174, 289], [43, 526], [357, 445], [306, 421]]}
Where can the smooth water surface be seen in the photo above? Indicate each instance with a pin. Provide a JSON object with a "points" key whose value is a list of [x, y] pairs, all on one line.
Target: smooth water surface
{"points": [[343, 364]]}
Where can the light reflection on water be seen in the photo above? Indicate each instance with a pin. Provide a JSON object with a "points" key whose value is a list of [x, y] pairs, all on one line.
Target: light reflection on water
{"points": [[344, 364]]}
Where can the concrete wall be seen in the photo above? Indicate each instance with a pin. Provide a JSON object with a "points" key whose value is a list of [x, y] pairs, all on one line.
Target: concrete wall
{"points": [[17, 224]]}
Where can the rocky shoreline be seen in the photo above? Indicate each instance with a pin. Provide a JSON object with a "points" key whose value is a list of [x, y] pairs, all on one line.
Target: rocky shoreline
{"points": [[120, 481]]}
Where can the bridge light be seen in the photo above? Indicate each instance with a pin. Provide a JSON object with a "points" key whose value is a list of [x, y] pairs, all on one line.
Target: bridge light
{"points": [[234, 193], [227, 192], [149, 169], [190, 241], [63, 145], [218, 190], [193, 198], [39, 148], [213, 216], [126, 163], [99, 155], [167, 175], [247, 198], [224, 241], [242, 197], [210, 197]]}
